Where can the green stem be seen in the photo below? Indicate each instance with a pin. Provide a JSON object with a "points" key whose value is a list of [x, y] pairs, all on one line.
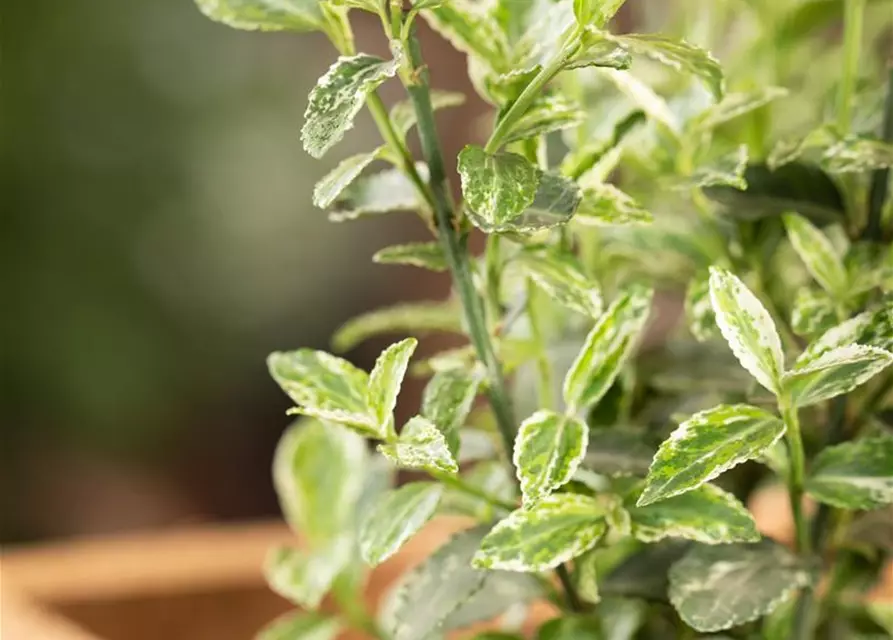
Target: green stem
{"points": [[854, 14], [544, 368], [455, 246]]}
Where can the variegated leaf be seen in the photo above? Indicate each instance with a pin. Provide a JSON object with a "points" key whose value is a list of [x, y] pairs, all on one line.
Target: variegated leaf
{"points": [[834, 373], [408, 317], [447, 401], [707, 514], [747, 327], [338, 97], [855, 154], [265, 15], [497, 187], [706, 445], [305, 577], [607, 348], [719, 587], [725, 171], [472, 30], [817, 253], [427, 255], [548, 449], [379, 193], [698, 309], [555, 202], [403, 115], [562, 278], [421, 446], [644, 97], [502, 591], [385, 381], [854, 475], [549, 113], [852, 331], [333, 184], [586, 574], [301, 626], [813, 312], [595, 12], [557, 529], [734, 105], [605, 204], [395, 518]]}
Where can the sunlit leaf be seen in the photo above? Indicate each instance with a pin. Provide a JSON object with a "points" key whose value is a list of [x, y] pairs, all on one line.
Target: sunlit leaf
{"points": [[548, 449], [497, 187], [817, 253], [410, 317], [854, 475], [644, 98], [265, 15], [561, 277], [385, 381], [395, 518], [427, 255], [421, 446], [734, 105], [605, 204], [596, 12], [472, 30], [834, 373]]}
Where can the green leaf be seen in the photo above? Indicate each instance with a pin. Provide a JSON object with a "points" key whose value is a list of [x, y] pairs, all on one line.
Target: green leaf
{"points": [[813, 313], [549, 113], [338, 179], [706, 445], [558, 528], [396, 517], [607, 348], [596, 12], [616, 452], [817, 253], [719, 587], [734, 105], [699, 310], [857, 155], [502, 590], [678, 55], [421, 446], [548, 450], [409, 317], [586, 574], [727, 170], [747, 327], [605, 204], [598, 51], [856, 330], [707, 514], [556, 200], [338, 97], [385, 381], [447, 401], [472, 30], [304, 578], [571, 627], [325, 387], [497, 187], [882, 613], [427, 255], [854, 475], [644, 97], [788, 150], [834, 373], [403, 115], [383, 192], [265, 15], [318, 476], [559, 274], [301, 626]]}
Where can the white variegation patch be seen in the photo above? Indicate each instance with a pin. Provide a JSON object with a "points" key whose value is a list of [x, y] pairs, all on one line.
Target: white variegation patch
{"points": [[395, 518], [421, 445], [426, 255], [841, 335], [834, 373], [385, 381], [330, 187], [854, 475], [548, 449]]}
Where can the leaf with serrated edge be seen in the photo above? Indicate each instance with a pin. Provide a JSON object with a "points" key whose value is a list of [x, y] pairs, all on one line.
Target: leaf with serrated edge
{"points": [[698, 310], [301, 626], [558, 528], [817, 253], [497, 187], [265, 15], [607, 348], [562, 278], [304, 578], [834, 373], [396, 517], [421, 446], [747, 327], [605, 204], [734, 105], [408, 317], [385, 381], [548, 449], [846, 333], [719, 587], [706, 445], [403, 115], [854, 475], [338, 179], [707, 514], [427, 255], [447, 401]]}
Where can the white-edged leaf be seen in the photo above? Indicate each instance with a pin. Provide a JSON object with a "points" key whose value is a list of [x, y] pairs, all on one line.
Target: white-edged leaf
{"points": [[497, 187], [834, 373], [265, 15], [403, 115], [813, 312], [555, 202], [817, 253], [421, 446], [558, 528], [548, 449], [608, 346], [379, 193], [447, 401], [598, 51], [747, 327], [725, 171], [848, 332], [427, 255], [706, 445], [472, 29], [719, 587], [698, 309], [301, 626], [385, 381], [734, 105], [337, 98], [333, 184], [396, 517], [408, 317], [707, 514], [305, 577], [559, 274], [856, 154], [854, 475], [605, 204], [549, 113]]}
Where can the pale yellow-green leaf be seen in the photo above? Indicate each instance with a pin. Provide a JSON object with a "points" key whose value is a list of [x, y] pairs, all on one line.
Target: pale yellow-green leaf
{"points": [[338, 179], [834, 373], [265, 15], [605, 204], [698, 309], [421, 446], [734, 105], [305, 577], [447, 401], [301, 626], [548, 449], [385, 381], [818, 254], [427, 255], [408, 317], [396, 517]]}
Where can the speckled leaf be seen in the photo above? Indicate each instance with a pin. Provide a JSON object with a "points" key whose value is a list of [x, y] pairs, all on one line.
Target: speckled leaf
{"points": [[549, 113], [747, 327], [427, 255], [410, 317], [727, 171], [854, 475], [548, 449], [813, 312], [607, 348], [557, 529], [265, 15], [852, 331], [472, 29], [598, 51], [326, 387], [396, 517], [817, 253], [719, 587], [707, 514], [561, 277], [834, 373], [421, 446], [305, 577], [403, 115], [706, 445], [857, 155], [379, 193], [698, 309], [338, 97], [497, 187], [301, 626], [385, 381], [734, 105], [447, 401], [556, 201], [338, 179], [571, 627], [605, 204]]}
